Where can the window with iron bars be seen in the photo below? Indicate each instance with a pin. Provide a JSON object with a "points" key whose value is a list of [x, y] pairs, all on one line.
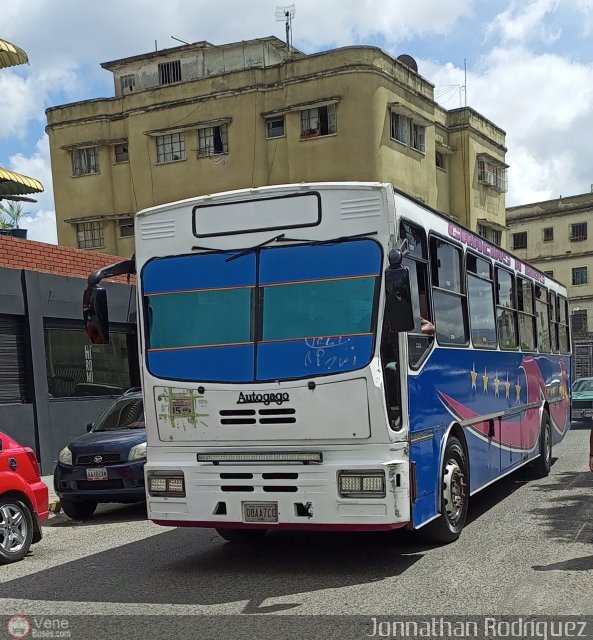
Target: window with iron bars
{"points": [[520, 240], [213, 140], [578, 231], [170, 147], [85, 161], [319, 121], [579, 275], [90, 234], [170, 72], [492, 174]]}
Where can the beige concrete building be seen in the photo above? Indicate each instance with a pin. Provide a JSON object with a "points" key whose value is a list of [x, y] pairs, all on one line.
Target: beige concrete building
{"points": [[199, 119], [554, 236]]}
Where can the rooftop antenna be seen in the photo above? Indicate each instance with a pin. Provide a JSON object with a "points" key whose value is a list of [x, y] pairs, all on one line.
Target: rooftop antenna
{"points": [[286, 13], [179, 40]]}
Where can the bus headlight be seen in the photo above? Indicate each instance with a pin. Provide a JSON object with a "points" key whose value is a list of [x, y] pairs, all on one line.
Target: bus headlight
{"points": [[170, 484], [361, 484], [65, 456]]}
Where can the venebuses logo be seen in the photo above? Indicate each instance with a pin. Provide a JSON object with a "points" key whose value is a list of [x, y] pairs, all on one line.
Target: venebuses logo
{"points": [[265, 398]]}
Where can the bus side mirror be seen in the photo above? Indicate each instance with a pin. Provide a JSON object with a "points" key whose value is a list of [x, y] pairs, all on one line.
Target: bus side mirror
{"points": [[399, 299], [95, 314]]}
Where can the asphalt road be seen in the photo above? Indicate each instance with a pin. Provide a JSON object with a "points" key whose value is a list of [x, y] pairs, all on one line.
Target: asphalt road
{"points": [[526, 550]]}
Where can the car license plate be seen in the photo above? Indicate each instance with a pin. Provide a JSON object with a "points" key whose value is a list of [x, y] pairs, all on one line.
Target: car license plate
{"points": [[260, 512], [96, 473]]}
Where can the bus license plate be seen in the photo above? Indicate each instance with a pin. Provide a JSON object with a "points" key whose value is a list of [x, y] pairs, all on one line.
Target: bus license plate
{"points": [[96, 473], [260, 512]]}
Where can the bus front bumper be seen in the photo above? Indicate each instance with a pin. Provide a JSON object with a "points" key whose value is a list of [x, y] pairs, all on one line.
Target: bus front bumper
{"points": [[281, 497]]}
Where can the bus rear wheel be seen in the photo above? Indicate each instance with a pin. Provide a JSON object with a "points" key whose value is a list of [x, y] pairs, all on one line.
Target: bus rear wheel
{"points": [[241, 535], [454, 498]]}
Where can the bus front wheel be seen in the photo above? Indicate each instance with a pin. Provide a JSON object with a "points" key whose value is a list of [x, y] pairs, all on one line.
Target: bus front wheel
{"points": [[454, 496]]}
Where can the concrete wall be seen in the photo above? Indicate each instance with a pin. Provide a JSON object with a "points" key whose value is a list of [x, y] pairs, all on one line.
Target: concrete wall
{"points": [[43, 424]]}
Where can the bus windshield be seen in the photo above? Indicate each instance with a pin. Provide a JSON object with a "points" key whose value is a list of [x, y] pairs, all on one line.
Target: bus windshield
{"points": [[273, 313]]}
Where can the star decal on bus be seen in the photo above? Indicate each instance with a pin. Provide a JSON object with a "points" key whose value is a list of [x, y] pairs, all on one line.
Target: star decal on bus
{"points": [[474, 375], [485, 379]]}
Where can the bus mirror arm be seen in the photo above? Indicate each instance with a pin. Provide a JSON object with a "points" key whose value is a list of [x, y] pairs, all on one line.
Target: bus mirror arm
{"points": [[398, 299], [125, 267], [95, 311]]}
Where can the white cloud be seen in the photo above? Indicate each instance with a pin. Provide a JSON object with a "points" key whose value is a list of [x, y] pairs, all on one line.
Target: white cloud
{"points": [[40, 218], [523, 21]]}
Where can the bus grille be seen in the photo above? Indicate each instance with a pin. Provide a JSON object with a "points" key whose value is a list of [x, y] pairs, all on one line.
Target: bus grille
{"points": [[269, 482], [582, 404], [281, 415]]}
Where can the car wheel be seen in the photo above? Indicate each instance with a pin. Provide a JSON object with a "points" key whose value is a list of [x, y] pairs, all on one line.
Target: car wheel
{"points": [[542, 465], [241, 535], [16, 530], [454, 496], [78, 510]]}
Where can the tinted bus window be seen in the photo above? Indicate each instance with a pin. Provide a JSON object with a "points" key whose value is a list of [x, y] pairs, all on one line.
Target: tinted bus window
{"points": [[448, 297], [526, 314], [480, 293], [542, 320], [553, 322], [563, 326], [506, 309]]}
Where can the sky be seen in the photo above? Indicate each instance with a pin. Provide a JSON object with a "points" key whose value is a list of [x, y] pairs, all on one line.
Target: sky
{"points": [[526, 65]]}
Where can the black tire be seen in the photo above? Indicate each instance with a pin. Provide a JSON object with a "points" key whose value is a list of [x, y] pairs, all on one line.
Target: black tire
{"points": [[542, 465], [16, 530], [78, 510], [454, 497], [241, 535]]}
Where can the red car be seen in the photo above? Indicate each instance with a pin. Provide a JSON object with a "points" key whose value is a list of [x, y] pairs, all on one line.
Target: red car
{"points": [[23, 500]]}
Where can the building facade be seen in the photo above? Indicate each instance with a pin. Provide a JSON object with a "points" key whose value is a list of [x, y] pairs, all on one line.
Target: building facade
{"points": [[52, 380], [554, 236], [200, 119]]}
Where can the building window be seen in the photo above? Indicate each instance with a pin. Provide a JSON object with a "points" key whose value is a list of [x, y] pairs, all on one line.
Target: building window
{"points": [[275, 127], [121, 152], [579, 320], [170, 147], [440, 161], [399, 127], [85, 161], [579, 275], [549, 273], [520, 240], [213, 140], [76, 368], [128, 83], [578, 232], [488, 233], [492, 173], [90, 234], [126, 227], [548, 234], [170, 72], [417, 136], [319, 121]]}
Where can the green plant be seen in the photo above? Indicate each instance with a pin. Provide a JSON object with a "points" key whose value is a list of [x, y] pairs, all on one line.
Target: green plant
{"points": [[10, 215]]}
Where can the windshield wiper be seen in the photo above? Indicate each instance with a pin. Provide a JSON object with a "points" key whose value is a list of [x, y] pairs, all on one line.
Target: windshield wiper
{"points": [[340, 239], [257, 246]]}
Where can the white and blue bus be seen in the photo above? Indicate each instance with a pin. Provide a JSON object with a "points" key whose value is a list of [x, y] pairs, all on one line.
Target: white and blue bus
{"points": [[336, 356]]}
